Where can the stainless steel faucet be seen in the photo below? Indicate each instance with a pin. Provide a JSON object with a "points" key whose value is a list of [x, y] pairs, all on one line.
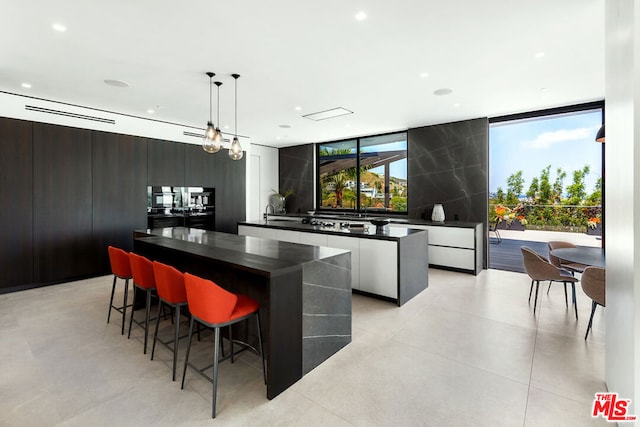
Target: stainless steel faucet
{"points": [[266, 211]]}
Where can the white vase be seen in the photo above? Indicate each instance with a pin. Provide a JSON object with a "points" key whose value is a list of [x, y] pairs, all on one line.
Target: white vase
{"points": [[438, 213]]}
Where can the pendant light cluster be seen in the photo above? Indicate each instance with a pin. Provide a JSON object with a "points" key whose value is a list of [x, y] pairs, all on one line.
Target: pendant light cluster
{"points": [[212, 141]]}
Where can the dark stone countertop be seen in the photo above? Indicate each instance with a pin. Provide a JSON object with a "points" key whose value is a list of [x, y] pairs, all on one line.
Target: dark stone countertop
{"points": [[261, 256], [370, 232], [394, 219]]}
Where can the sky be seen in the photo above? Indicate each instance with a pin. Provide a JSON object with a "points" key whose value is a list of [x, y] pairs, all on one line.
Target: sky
{"points": [[397, 169], [565, 141]]}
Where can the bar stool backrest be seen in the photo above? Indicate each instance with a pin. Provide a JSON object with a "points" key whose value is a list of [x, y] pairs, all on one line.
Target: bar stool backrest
{"points": [[142, 270], [208, 301], [119, 260], [169, 283]]}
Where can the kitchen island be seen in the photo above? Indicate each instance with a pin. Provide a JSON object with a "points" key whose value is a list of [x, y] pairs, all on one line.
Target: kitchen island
{"points": [[387, 262], [304, 291], [453, 245]]}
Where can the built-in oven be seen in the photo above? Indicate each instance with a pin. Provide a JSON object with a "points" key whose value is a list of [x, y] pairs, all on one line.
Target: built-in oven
{"points": [[181, 207]]}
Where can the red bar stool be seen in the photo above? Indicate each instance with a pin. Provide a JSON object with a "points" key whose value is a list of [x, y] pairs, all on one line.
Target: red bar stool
{"points": [[215, 308], [121, 269], [143, 279], [171, 292]]}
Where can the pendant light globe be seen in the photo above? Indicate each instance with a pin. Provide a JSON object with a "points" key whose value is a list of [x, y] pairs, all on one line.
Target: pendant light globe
{"points": [[235, 150], [209, 142]]}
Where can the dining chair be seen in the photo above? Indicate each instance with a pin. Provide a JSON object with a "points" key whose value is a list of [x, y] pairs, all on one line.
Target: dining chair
{"points": [[539, 269], [493, 227], [594, 285], [215, 307], [560, 263]]}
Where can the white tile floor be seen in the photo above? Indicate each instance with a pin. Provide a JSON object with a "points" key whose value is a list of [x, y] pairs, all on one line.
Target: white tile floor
{"points": [[468, 351]]}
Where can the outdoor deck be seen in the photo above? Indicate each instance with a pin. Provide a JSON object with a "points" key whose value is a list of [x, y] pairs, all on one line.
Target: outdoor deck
{"points": [[507, 256]]}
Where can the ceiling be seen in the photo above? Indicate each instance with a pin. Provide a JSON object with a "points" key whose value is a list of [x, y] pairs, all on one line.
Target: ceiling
{"points": [[497, 56]]}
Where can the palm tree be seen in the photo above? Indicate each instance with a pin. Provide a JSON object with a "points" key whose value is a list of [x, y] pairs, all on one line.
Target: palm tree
{"points": [[339, 179]]}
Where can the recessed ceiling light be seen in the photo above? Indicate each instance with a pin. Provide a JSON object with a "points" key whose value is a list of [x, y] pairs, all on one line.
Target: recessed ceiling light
{"points": [[26, 85], [116, 83], [456, 105], [277, 137], [424, 75], [150, 111], [59, 27], [539, 55], [361, 16], [297, 108], [443, 91]]}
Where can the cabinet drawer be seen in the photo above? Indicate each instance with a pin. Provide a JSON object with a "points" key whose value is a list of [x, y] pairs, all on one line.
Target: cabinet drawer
{"points": [[452, 257], [451, 236]]}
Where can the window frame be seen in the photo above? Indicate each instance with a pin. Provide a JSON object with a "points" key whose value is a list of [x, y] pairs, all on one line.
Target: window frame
{"points": [[358, 209]]}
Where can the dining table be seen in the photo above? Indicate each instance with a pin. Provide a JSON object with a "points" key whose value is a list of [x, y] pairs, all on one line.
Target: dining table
{"points": [[591, 256]]}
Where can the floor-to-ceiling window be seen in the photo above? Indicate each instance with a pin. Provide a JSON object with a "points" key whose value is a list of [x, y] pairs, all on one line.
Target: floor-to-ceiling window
{"points": [[365, 174], [545, 172]]}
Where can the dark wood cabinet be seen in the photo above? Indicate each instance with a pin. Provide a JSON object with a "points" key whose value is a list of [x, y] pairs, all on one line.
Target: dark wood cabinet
{"points": [[16, 197], [62, 203], [200, 167], [119, 175], [165, 163], [68, 193], [230, 192], [227, 176]]}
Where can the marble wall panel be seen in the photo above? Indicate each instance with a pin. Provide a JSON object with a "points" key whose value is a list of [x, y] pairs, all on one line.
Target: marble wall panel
{"points": [[326, 308], [448, 164], [296, 172]]}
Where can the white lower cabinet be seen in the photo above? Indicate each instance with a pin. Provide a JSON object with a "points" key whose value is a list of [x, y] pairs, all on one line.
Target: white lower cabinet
{"points": [[452, 257], [313, 239], [288, 236], [379, 269], [265, 233], [451, 247], [352, 244]]}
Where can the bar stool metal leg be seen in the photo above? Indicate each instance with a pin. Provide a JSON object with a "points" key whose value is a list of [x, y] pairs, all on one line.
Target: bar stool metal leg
{"points": [[216, 355], [264, 368], [124, 307], [113, 290], [146, 321], [186, 357]]}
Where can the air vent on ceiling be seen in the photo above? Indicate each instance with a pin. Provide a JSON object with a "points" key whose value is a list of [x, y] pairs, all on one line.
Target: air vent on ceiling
{"points": [[200, 135], [69, 114], [328, 114]]}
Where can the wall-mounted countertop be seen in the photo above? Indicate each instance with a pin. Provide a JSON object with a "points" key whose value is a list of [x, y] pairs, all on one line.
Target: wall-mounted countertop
{"points": [[394, 219], [369, 231]]}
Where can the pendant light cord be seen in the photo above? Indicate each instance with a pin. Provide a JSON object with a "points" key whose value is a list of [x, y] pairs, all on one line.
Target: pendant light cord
{"points": [[210, 99], [218, 105]]}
